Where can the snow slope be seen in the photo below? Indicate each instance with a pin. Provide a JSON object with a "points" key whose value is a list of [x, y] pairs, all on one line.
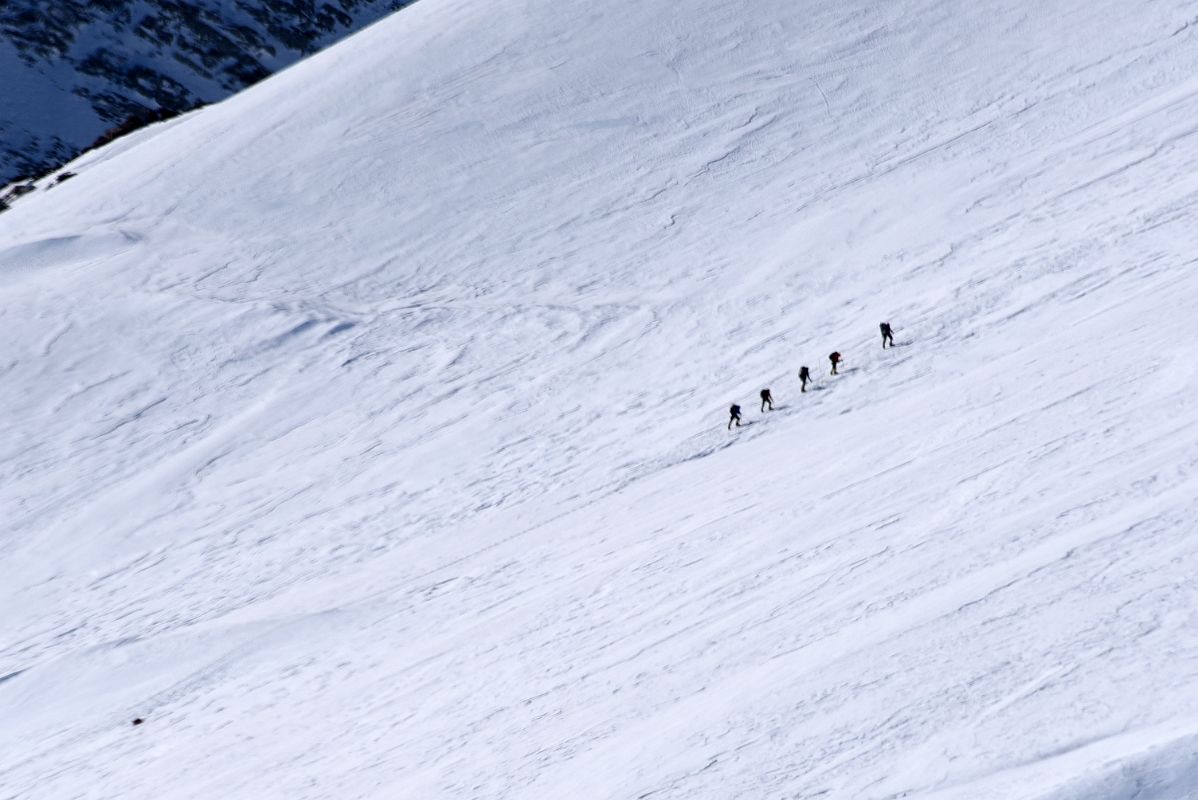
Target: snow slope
{"points": [[364, 433]]}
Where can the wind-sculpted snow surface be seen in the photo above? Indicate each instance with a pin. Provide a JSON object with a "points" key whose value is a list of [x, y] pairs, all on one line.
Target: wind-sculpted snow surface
{"points": [[365, 433]]}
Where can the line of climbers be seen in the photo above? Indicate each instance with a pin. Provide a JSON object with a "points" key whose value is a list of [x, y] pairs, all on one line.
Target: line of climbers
{"points": [[767, 399]]}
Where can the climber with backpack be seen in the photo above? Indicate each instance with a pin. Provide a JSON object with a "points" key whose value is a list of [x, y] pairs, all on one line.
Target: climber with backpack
{"points": [[734, 416]]}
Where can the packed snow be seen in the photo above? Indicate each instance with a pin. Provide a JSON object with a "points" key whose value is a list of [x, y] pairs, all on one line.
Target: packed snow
{"points": [[365, 434]]}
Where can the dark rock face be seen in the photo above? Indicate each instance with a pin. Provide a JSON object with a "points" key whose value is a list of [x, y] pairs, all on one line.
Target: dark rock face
{"points": [[76, 70]]}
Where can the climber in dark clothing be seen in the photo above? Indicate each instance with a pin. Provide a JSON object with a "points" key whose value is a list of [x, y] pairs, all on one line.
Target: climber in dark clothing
{"points": [[887, 335], [835, 359], [734, 416], [767, 399], [804, 376]]}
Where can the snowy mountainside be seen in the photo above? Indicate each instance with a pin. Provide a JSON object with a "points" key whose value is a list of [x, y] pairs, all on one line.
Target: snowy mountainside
{"points": [[71, 70], [365, 432]]}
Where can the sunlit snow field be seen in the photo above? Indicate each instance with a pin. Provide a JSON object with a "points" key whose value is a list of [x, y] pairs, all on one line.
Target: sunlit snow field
{"points": [[365, 433]]}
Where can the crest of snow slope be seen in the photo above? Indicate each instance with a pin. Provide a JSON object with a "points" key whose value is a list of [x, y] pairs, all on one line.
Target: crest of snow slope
{"points": [[72, 69], [365, 432]]}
